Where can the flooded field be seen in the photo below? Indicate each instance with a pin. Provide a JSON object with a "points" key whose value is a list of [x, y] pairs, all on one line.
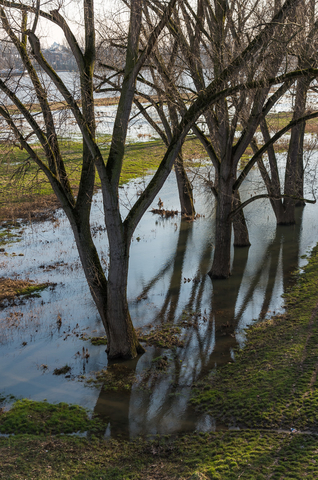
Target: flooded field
{"points": [[168, 285]]}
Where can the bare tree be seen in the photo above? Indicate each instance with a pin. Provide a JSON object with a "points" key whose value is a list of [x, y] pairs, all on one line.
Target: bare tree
{"points": [[209, 37], [156, 86], [108, 293], [303, 54]]}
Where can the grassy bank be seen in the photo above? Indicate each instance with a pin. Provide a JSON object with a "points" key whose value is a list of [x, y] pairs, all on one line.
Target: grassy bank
{"points": [[24, 188], [273, 382], [270, 391]]}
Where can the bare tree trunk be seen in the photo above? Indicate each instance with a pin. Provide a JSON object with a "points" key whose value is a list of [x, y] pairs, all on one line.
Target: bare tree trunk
{"points": [[300, 168], [279, 211], [184, 188], [91, 264], [122, 339], [226, 202], [109, 295], [294, 176], [241, 237], [221, 267]]}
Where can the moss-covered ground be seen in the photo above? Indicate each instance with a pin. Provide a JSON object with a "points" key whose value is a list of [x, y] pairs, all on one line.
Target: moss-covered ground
{"points": [[222, 455], [27, 416], [270, 391]]}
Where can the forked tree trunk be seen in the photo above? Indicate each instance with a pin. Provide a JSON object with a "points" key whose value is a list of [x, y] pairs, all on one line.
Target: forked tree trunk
{"points": [[184, 189], [226, 202]]}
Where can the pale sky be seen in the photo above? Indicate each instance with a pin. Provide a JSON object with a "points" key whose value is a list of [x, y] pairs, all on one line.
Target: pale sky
{"points": [[50, 33]]}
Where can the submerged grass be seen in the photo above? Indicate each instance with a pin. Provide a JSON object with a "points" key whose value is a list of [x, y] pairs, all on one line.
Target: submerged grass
{"points": [[116, 377], [10, 288], [163, 336], [11, 233]]}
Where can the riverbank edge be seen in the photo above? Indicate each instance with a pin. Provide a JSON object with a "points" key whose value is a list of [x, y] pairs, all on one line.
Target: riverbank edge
{"points": [[276, 443], [273, 382], [26, 193]]}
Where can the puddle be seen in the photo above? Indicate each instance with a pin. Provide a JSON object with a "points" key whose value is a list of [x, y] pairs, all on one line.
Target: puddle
{"points": [[168, 283]]}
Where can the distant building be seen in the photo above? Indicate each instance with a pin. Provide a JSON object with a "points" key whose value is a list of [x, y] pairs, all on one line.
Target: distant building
{"points": [[60, 57]]}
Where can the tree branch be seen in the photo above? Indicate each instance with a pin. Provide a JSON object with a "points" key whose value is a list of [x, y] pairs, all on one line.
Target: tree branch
{"points": [[271, 197], [263, 149]]}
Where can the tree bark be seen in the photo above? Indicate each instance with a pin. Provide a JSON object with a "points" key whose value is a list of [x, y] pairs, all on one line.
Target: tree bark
{"points": [[122, 338], [294, 176], [241, 237], [109, 294], [91, 264], [221, 267], [184, 189]]}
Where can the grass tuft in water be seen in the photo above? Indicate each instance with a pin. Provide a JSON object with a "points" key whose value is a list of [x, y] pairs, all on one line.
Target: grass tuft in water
{"points": [[9, 288], [62, 371]]}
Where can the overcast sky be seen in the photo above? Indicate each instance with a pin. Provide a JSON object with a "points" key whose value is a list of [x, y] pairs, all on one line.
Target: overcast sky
{"points": [[73, 11]]}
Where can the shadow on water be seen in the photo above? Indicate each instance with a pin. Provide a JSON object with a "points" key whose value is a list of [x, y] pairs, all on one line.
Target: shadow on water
{"points": [[161, 405], [112, 407], [168, 284]]}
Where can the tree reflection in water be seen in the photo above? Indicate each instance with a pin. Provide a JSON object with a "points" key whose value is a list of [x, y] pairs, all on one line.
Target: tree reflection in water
{"points": [[161, 403]]}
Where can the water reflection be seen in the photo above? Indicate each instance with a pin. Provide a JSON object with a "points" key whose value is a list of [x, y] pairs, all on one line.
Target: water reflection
{"points": [[161, 405], [167, 282], [113, 407]]}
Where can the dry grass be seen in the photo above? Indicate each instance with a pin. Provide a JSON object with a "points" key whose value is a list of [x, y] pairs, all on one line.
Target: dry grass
{"points": [[31, 207], [10, 288]]}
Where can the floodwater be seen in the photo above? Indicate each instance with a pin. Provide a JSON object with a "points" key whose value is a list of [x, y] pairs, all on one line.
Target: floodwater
{"points": [[138, 130], [168, 279]]}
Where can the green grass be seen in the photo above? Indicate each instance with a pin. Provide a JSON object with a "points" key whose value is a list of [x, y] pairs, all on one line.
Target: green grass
{"points": [[21, 181], [95, 340], [10, 234], [27, 416], [273, 382], [230, 455], [33, 289]]}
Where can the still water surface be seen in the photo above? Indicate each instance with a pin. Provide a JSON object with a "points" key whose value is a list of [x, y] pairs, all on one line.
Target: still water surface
{"points": [[169, 262]]}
